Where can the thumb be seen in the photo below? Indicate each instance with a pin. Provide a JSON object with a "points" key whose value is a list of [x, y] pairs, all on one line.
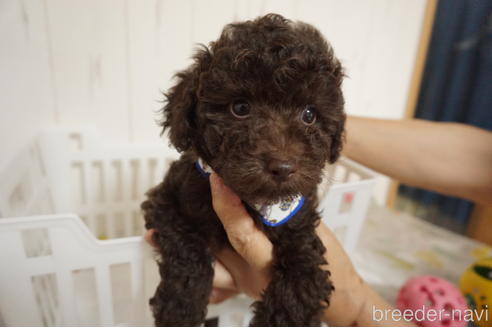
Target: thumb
{"points": [[245, 237]]}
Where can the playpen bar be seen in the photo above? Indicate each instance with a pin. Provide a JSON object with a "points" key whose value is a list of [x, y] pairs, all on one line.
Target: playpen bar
{"points": [[127, 175], [64, 277], [125, 180], [17, 300], [87, 193], [105, 185], [360, 204], [137, 285], [66, 294], [51, 301], [123, 215], [144, 176], [104, 296], [345, 174], [110, 230], [128, 223], [162, 167], [330, 214]]}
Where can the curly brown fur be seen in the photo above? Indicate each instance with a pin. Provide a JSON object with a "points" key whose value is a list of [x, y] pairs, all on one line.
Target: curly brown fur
{"points": [[277, 67]]}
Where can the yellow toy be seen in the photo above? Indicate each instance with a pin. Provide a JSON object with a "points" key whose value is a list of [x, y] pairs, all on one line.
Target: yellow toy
{"points": [[476, 285]]}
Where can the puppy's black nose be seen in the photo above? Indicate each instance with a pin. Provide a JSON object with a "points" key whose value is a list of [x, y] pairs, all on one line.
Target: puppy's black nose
{"points": [[281, 169]]}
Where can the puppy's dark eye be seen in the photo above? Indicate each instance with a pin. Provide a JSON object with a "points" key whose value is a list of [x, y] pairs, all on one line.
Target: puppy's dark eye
{"points": [[240, 109], [308, 115]]}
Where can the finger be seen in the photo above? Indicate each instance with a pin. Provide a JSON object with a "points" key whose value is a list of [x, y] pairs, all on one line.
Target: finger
{"points": [[219, 295], [234, 264], [247, 280], [148, 237], [222, 278], [245, 237]]}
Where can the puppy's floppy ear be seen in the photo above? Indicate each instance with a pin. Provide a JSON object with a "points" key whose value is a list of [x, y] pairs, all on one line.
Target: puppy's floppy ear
{"points": [[179, 109], [337, 139]]}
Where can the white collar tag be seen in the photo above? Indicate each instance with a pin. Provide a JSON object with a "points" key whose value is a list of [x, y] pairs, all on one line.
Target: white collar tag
{"points": [[279, 213], [202, 167], [271, 215]]}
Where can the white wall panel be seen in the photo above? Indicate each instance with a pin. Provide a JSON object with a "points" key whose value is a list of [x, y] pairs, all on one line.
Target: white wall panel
{"points": [[159, 44], [144, 43], [26, 90], [376, 41], [209, 17], [89, 42]]}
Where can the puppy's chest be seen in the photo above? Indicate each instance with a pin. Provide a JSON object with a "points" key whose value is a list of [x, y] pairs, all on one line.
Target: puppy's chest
{"points": [[196, 207]]}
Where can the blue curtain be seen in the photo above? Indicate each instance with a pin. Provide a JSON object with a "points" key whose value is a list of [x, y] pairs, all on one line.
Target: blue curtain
{"points": [[456, 86]]}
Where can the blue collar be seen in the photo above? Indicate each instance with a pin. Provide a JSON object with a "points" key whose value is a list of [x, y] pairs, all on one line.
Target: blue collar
{"points": [[271, 215]]}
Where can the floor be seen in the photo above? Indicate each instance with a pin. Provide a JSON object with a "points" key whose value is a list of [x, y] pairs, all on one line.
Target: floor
{"points": [[395, 246]]}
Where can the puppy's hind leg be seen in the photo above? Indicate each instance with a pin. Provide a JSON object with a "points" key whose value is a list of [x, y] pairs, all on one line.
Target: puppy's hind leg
{"points": [[185, 264], [186, 279]]}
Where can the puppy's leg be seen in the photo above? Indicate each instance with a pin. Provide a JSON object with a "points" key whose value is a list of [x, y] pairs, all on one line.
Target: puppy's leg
{"points": [[185, 264], [300, 289], [186, 278]]}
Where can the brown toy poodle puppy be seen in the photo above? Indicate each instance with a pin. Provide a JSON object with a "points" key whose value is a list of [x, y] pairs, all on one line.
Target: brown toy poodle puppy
{"points": [[262, 106]]}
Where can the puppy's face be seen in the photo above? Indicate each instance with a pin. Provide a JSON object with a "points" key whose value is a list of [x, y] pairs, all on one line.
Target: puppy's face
{"points": [[263, 106]]}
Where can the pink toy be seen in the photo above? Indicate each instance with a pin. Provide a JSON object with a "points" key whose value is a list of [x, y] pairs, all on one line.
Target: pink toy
{"points": [[431, 302]]}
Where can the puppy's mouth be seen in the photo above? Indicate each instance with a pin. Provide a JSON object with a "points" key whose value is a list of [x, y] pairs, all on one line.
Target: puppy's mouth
{"points": [[265, 190], [270, 198]]}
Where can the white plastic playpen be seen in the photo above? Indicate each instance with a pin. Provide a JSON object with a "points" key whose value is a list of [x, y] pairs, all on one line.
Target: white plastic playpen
{"points": [[92, 267]]}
